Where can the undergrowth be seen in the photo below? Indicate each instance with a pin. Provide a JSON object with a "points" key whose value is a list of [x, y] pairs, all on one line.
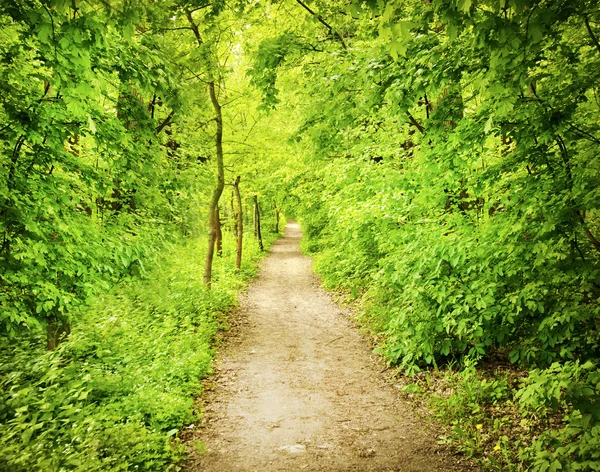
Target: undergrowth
{"points": [[508, 411], [115, 394], [513, 420]]}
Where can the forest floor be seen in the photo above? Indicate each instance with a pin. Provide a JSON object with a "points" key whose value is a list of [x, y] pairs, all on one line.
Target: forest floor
{"points": [[296, 387]]}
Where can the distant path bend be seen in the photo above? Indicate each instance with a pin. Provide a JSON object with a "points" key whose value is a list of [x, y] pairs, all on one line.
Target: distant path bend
{"points": [[297, 388]]}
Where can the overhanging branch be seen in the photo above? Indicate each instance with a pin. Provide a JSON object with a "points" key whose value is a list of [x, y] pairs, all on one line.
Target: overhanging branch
{"points": [[323, 22]]}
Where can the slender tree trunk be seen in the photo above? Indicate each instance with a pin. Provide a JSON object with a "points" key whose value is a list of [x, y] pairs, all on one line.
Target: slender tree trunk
{"points": [[212, 220], [276, 220], [240, 223], [212, 214], [254, 221], [56, 331], [219, 241], [257, 223], [233, 214]]}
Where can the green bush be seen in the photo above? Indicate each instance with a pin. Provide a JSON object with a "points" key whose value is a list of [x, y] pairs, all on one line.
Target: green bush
{"points": [[116, 393], [443, 282], [572, 389]]}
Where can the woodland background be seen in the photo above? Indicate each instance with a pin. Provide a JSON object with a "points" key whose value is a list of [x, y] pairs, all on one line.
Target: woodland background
{"points": [[442, 157]]}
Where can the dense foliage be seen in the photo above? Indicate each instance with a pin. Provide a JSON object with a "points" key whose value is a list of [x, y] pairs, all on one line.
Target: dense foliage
{"points": [[114, 396], [442, 158], [88, 184], [107, 139], [449, 179]]}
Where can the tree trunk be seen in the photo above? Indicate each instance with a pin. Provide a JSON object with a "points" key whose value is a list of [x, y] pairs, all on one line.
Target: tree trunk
{"points": [[276, 220], [254, 222], [56, 331], [240, 223], [212, 220], [219, 241], [257, 223], [233, 218], [212, 231]]}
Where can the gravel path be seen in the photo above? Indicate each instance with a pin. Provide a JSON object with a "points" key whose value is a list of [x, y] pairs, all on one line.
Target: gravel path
{"points": [[297, 387]]}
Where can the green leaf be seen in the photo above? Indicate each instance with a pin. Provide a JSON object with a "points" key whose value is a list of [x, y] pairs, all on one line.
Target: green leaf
{"points": [[514, 356], [44, 32], [488, 124], [396, 49], [91, 125], [465, 5], [556, 465], [26, 436]]}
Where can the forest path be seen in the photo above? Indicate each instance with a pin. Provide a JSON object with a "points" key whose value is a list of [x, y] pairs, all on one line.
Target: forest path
{"points": [[297, 387]]}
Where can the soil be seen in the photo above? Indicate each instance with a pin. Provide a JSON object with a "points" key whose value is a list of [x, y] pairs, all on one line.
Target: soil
{"points": [[297, 387]]}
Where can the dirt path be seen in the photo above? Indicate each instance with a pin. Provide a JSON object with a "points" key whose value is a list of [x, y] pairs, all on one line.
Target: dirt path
{"points": [[298, 389]]}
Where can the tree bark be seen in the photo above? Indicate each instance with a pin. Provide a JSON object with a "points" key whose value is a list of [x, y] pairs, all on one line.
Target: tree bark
{"points": [[219, 241], [240, 224], [254, 222], [257, 223], [232, 212], [276, 220], [165, 122], [415, 123], [212, 231], [214, 202]]}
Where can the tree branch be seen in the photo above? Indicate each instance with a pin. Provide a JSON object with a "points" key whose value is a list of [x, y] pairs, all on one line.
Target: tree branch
{"points": [[193, 26], [415, 123], [53, 32], [323, 22], [588, 233], [166, 121], [172, 29], [592, 35]]}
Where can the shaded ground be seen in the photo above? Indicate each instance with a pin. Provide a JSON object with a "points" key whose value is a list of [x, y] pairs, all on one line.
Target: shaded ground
{"points": [[297, 388]]}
